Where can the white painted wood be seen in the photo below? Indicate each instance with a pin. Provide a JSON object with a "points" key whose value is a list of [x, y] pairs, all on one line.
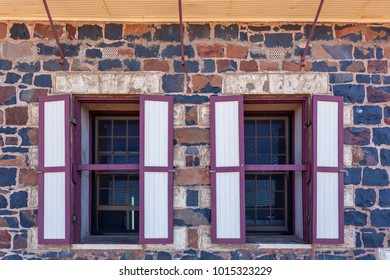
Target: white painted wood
{"points": [[85, 207], [327, 134], [327, 205], [227, 133], [54, 136], [156, 204], [54, 205], [298, 196], [298, 135], [228, 204], [85, 141], [156, 133]]}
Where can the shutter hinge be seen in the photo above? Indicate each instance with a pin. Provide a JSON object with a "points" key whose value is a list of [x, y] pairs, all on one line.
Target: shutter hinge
{"points": [[308, 123], [74, 218], [73, 120], [308, 217]]}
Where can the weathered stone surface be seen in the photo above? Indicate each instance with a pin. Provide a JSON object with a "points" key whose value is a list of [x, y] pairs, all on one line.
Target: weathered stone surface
{"points": [[363, 79], [353, 177], [375, 177], [236, 51], [384, 198], [366, 156], [5, 239], [365, 197], [3, 202], [115, 83], [113, 31], [190, 66], [32, 95], [192, 198], [339, 51], [5, 64], [44, 31], [110, 64], [380, 218], [11, 160], [28, 67], [226, 65], [356, 136], [168, 33], [24, 49], [198, 31], [226, 32], [7, 95], [29, 136], [190, 99], [16, 115], [209, 256], [156, 65], [191, 217], [12, 78], [28, 218], [132, 65], [352, 66], [373, 239], [308, 83], [249, 66], [381, 136], [278, 40], [18, 199], [378, 94], [89, 31], [28, 177], [340, 78], [377, 66], [192, 176], [385, 157], [20, 241], [3, 30], [164, 256], [192, 136], [355, 218], [321, 32], [349, 32], [192, 238], [171, 51], [363, 53], [173, 83], [324, 66], [19, 31], [367, 115], [210, 50]]}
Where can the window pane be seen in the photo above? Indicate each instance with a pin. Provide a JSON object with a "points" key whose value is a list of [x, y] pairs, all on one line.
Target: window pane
{"points": [[278, 128], [263, 128], [119, 127], [120, 145], [133, 144], [250, 146], [279, 218], [118, 221], [264, 146], [133, 159], [105, 128], [249, 128], [133, 128], [104, 197], [105, 145]]}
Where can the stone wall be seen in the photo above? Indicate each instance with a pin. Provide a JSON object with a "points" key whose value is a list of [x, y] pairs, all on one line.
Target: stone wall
{"points": [[354, 59]]}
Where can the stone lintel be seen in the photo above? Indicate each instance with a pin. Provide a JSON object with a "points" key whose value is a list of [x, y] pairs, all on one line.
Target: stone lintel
{"points": [[276, 83], [107, 83]]}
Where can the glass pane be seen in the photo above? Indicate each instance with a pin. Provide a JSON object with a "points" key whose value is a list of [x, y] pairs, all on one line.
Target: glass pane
{"points": [[103, 197], [119, 128], [250, 146], [278, 128], [118, 221], [104, 127], [275, 160], [133, 143], [104, 145], [279, 200], [105, 160], [263, 217], [121, 181], [120, 145], [263, 128], [133, 159], [279, 218], [249, 128], [250, 217], [250, 182], [133, 127], [264, 146], [278, 181], [262, 183], [264, 159], [105, 181], [281, 145], [119, 159], [263, 199]]}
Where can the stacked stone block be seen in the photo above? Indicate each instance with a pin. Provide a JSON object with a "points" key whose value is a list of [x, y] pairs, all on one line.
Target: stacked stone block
{"points": [[355, 57]]}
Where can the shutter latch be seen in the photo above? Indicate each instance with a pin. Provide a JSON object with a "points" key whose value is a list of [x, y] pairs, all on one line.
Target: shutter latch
{"points": [[209, 169], [73, 120], [308, 123], [308, 217], [74, 218], [174, 170]]}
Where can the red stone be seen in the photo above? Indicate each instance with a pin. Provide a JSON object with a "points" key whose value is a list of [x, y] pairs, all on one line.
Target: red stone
{"points": [[1, 117], [3, 30], [5, 239], [216, 81], [295, 67], [11, 140], [16, 116], [192, 135], [18, 50], [249, 66], [156, 65], [269, 66], [28, 177], [136, 29], [234, 51], [371, 35], [356, 66], [199, 82], [387, 52], [354, 29], [126, 52], [20, 242], [377, 66], [192, 116], [189, 161], [71, 31], [33, 135], [192, 237], [6, 94], [210, 50], [192, 176], [82, 65], [44, 31], [17, 161]]}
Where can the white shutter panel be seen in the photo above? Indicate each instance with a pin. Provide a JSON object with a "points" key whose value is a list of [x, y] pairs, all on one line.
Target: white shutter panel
{"points": [[227, 169], [156, 211], [54, 167], [328, 196]]}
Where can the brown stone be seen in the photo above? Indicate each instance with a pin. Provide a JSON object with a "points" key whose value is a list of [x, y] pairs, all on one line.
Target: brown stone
{"points": [[20, 242], [126, 52], [377, 66], [210, 50], [33, 135], [192, 135], [1, 117], [28, 177], [377, 95], [136, 29], [189, 161], [16, 116], [5, 239], [216, 81], [191, 116], [269, 66], [372, 35], [318, 52], [356, 66], [32, 95], [234, 51], [192, 234], [7, 160], [71, 30], [7, 94], [199, 82], [23, 49], [387, 52], [44, 31], [3, 223], [192, 176], [294, 66], [348, 30], [156, 65], [249, 66], [225, 65], [80, 65], [3, 30], [11, 140]]}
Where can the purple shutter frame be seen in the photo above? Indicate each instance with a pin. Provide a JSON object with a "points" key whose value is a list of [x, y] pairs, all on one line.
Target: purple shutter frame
{"points": [[214, 169], [338, 169], [42, 170], [143, 169]]}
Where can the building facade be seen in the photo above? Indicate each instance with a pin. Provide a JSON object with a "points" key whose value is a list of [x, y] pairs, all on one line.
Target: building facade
{"points": [[121, 151]]}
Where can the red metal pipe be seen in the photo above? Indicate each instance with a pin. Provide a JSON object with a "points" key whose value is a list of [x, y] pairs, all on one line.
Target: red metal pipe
{"points": [[62, 60], [181, 35], [311, 34]]}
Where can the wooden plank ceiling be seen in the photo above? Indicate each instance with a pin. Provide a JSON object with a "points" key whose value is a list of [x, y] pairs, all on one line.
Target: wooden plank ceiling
{"points": [[354, 11]]}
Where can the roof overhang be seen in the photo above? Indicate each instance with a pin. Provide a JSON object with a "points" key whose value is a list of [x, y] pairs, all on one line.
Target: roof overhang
{"points": [[334, 11]]}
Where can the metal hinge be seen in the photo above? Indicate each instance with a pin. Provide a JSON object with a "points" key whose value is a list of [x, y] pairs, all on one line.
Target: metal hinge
{"points": [[308, 123], [73, 120], [74, 218], [308, 217]]}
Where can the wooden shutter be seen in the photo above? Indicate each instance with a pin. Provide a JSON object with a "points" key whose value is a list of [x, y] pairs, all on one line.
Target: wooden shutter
{"points": [[328, 195], [227, 169], [54, 170], [156, 177]]}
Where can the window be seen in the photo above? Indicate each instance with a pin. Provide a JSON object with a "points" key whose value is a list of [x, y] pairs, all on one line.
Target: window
{"points": [[103, 172], [276, 169]]}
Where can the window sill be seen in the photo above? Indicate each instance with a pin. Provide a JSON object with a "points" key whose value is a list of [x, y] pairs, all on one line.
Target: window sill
{"points": [[108, 242], [277, 242]]}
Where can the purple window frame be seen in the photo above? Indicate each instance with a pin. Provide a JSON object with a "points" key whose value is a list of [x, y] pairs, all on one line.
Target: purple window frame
{"points": [[168, 169], [42, 169], [338, 169], [215, 169], [78, 167]]}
